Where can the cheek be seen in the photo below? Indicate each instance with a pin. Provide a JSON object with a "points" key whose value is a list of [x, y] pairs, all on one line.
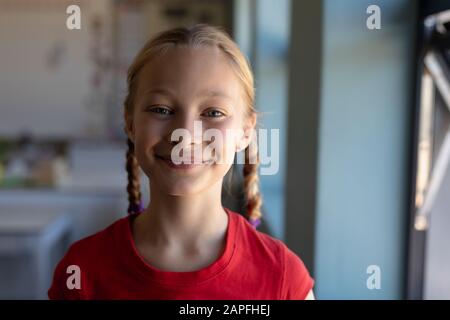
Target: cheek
{"points": [[148, 132], [147, 135], [225, 145]]}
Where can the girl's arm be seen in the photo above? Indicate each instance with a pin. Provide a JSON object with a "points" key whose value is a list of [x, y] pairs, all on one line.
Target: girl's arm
{"points": [[310, 295]]}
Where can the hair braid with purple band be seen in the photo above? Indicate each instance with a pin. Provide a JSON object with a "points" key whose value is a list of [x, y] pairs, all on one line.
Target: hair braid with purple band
{"points": [[136, 208]]}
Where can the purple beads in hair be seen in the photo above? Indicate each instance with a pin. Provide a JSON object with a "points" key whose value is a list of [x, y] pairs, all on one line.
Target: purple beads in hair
{"points": [[255, 222], [136, 208]]}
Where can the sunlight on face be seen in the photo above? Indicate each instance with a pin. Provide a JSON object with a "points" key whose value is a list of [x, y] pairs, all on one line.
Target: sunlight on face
{"points": [[174, 91]]}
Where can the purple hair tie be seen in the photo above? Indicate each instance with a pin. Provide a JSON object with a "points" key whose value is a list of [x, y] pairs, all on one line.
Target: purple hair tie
{"points": [[255, 222], [136, 208]]}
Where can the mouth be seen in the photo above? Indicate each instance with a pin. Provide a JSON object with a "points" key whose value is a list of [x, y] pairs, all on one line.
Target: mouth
{"points": [[182, 166]]}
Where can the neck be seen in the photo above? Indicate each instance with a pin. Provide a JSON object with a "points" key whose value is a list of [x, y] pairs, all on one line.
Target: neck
{"points": [[186, 221]]}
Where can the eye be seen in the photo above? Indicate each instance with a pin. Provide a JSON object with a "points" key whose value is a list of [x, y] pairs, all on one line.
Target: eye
{"points": [[161, 110], [213, 113]]}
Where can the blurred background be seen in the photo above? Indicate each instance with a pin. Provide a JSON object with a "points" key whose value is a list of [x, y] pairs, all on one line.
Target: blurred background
{"points": [[363, 114]]}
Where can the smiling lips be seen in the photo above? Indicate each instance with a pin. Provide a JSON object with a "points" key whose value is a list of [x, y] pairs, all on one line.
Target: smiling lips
{"points": [[167, 160]]}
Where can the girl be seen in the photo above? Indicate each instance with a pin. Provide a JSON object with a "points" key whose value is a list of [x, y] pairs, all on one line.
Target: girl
{"points": [[185, 244]]}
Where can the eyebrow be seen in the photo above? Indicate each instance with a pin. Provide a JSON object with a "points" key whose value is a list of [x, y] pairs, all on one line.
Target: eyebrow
{"points": [[211, 93]]}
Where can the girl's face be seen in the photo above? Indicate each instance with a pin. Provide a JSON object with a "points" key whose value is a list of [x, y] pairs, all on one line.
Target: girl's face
{"points": [[175, 90]]}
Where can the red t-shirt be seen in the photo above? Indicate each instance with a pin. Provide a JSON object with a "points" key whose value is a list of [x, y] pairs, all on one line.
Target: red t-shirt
{"points": [[252, 266]]}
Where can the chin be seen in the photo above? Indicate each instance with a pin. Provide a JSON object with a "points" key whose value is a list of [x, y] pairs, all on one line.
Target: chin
{"points": [[184, 189], [186, 183]]}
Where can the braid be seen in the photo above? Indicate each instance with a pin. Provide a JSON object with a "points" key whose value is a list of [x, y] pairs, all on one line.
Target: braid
{"points": [[133, 186], [251, 189]]}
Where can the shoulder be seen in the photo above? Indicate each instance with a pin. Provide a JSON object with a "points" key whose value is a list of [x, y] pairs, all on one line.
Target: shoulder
{"points": [[254, 238], [296, 281], [84, 258], [94, 245]]}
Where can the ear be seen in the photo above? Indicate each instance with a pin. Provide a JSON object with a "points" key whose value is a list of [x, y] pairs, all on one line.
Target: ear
{"points": [[246, 139], [129, 128]]}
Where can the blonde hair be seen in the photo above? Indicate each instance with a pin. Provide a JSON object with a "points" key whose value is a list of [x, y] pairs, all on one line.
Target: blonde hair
{"points": [[199, 35]]}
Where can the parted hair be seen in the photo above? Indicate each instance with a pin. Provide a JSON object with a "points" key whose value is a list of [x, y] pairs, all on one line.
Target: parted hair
{"points": [[199, 35]]}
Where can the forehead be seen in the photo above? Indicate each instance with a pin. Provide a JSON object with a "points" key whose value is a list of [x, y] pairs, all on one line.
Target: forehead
{"points": [[191, 71]]}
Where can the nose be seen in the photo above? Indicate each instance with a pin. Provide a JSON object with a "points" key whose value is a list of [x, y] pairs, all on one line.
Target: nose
{"points": [[189, 128]]}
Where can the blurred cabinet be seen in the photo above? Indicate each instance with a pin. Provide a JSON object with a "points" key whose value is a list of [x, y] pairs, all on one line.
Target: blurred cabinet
{"points": [[36, 228], [31, 234]]}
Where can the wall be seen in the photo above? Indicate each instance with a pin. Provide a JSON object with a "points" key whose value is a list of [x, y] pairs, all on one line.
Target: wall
{"points": [[359, 134], [271, 75], [47, 69], [364, 149]]}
